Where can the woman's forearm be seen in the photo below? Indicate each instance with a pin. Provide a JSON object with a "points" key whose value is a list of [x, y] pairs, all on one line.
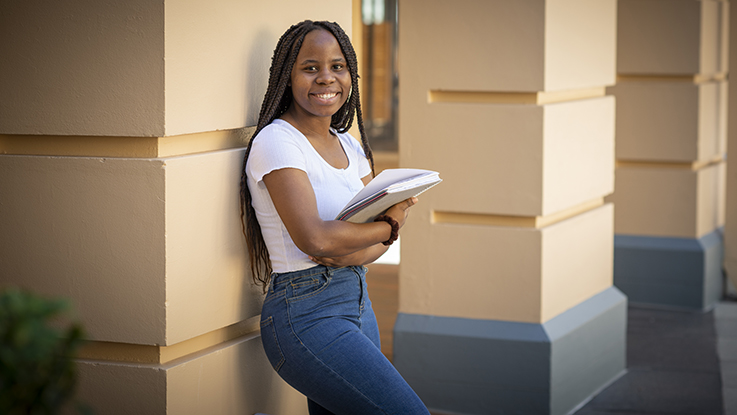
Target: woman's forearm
{"points": [[337, 238], [362, 257]]}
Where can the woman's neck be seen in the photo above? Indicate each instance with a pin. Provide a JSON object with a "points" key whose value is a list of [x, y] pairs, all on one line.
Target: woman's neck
{"points": [[309, 125]]}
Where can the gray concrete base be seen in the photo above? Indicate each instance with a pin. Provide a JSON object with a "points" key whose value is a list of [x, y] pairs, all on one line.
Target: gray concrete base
{"points": [[673, 272], [470, 366]]}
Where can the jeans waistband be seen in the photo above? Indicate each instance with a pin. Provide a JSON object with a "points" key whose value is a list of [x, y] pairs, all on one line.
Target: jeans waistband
{"points": [[279, 280]]}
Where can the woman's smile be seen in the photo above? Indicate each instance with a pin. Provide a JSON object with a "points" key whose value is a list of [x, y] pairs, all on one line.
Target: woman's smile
{"points": [[326, 98]]}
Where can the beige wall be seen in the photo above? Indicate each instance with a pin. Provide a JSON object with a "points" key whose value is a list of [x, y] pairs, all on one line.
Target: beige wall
{"points": [[672, 37], [121, 145], [514, 116], [730, 235], [671, 117], [218, 57], [83, 68], [575, 138], [511, 273], [677, 121], [671, 201], [524, 46], [231, 378]]}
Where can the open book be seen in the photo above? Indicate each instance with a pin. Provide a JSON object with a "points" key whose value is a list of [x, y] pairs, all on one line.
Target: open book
{"points": [[388, 188]]}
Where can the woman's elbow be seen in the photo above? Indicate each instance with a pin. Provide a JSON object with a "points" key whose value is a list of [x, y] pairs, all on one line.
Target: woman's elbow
{"points": [[313, 246]]}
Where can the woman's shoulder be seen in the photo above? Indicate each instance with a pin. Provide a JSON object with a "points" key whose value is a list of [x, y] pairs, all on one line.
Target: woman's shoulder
{"points": [[277, 140], [277, 129]]}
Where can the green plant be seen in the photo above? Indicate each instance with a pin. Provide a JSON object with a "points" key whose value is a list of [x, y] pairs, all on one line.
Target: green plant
{"points": [[37, 373]]}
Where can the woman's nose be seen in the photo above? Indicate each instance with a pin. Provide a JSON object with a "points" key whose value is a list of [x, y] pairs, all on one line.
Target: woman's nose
{"points": [[325, 76]]}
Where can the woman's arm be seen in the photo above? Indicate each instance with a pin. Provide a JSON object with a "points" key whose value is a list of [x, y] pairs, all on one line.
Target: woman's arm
{"points": [[362, 257], [294, 199]]}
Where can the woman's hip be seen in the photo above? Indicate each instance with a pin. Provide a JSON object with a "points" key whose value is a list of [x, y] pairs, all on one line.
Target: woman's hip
{"points": [[318, 303]]}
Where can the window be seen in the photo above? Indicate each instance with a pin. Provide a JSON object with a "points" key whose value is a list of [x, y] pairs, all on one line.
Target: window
{"points": [[378, 62]]}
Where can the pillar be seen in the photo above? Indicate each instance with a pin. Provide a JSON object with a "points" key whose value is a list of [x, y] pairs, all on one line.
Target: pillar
{"points": [[122, 133], [730, 232], [671, 145], [506, 297]]}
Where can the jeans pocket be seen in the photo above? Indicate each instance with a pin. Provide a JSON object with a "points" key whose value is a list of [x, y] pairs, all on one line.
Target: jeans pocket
{"points": [[271, 344], [306, 287]]}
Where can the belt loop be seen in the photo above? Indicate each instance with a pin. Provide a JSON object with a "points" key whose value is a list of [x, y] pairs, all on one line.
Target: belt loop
{"points": [[329, 271], [272, 277]]}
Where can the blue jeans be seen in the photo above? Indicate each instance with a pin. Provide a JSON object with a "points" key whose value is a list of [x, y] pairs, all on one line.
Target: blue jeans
{"points": [[320, 335]]}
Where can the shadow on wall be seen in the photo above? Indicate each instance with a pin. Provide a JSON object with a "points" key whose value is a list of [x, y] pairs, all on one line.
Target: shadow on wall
{"points": [[258, 61]]}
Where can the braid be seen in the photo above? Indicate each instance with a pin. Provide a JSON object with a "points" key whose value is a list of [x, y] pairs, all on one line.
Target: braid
{"points": [[277, 100], [343, 119]]}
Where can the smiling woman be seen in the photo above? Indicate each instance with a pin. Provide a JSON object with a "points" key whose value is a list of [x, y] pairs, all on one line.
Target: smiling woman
{"points": [[318, 328]]}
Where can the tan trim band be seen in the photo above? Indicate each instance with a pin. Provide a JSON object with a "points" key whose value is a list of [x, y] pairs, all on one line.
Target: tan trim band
{"points": [[125, 147], [693, 166], [141, 353], [689, 78], [536, 222], [529, 98]]}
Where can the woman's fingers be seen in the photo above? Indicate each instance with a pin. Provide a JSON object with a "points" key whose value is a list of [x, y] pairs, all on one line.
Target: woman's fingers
{"points": [[409, 203], [329, 262]]}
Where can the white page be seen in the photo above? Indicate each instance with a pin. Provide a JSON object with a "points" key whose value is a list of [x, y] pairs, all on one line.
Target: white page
{"points": [[385, 179]]}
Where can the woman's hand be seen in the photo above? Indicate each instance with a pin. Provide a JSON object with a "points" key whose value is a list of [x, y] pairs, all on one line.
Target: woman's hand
{"points": [[400, 211]]}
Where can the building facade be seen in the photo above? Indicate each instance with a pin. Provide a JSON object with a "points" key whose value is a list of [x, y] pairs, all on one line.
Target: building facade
{"points": [[575, 138]]}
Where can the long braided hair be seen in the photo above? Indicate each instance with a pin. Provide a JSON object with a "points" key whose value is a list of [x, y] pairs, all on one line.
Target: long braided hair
{"points": [[277, 100]]}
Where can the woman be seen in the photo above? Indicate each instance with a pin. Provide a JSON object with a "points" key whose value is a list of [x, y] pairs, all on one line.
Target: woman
{"points": [[301, 168]]}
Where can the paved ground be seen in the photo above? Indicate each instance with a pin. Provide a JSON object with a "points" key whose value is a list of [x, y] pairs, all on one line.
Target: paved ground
{"points": [[674, 365], [726, 324]]}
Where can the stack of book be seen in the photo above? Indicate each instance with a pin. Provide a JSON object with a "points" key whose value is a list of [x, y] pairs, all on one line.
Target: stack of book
{"points": [[388, 188]]}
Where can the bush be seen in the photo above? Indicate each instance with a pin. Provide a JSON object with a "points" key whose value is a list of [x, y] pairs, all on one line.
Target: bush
{"points": [[37, 373]]}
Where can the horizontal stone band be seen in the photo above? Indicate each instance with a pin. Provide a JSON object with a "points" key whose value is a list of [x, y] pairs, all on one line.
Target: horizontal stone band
{"points": [[690, 78], [693, 166], [529, 98], [124, 147], [152, 354], [536, 222]]}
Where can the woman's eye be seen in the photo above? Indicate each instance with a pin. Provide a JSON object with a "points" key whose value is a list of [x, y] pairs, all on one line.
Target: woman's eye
{"points": [[338, 67]]}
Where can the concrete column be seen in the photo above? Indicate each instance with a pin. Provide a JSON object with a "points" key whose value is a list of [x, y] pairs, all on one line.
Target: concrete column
{"points": [[671, 146], [506, 296], [122, 126], [730, 233]]}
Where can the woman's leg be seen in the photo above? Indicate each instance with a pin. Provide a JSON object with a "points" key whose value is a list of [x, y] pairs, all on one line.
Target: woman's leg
{"points": [[312, 335], [370, 328]]}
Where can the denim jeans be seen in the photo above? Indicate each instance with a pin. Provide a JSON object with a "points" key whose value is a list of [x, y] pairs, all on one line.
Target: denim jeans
{"points": [[320, 335]]}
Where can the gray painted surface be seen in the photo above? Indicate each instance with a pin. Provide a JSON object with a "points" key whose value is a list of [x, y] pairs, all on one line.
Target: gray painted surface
{"points": [[674, 272], [725, 315], [588, 348], [494, 367]]}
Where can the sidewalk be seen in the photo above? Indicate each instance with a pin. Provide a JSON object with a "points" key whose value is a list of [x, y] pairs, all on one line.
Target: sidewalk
{"points": [[678, 363]]}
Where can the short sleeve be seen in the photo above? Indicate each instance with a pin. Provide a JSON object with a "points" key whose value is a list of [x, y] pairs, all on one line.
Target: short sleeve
{"points": [[364, 168], [274, 148]]}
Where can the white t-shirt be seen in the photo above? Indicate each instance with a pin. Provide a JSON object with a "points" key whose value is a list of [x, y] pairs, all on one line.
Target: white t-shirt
{"points": [[279, 145]]}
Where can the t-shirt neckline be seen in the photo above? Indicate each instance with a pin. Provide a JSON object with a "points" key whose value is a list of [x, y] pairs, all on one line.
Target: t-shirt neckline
{"points": [[340, 141]]}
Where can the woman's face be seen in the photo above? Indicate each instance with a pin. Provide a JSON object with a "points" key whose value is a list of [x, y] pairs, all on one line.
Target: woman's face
{"points": [[321, 81]]}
